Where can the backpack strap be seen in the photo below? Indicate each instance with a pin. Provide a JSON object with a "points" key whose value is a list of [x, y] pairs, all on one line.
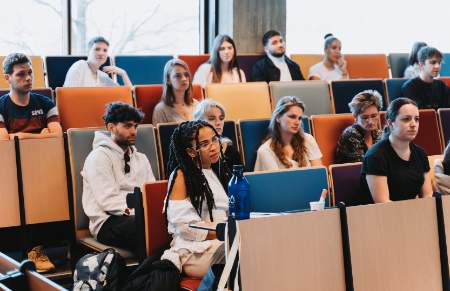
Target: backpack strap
{"points": [[230, 258]]}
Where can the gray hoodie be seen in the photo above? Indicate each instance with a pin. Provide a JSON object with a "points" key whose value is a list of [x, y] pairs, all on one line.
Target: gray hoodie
{"points": [[105, 184]]}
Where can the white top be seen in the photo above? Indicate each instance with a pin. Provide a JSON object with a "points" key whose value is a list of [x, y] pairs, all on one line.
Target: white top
{"points": [[80, 75], [412, 71], [204, 76], [323, 73], [280, 63], [105, 184], [181, 213], [267, 160]]}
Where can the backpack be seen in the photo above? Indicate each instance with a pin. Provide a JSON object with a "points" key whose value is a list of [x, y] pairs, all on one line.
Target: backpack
{"points": [[103, 271]]}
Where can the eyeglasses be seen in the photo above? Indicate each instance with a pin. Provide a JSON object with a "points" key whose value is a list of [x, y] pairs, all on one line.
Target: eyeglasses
{"points": [[367, 117], [126, 157], [205, 145]]}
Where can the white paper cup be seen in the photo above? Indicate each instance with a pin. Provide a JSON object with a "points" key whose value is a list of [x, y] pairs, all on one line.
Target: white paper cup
{"points": [[317, 205]]}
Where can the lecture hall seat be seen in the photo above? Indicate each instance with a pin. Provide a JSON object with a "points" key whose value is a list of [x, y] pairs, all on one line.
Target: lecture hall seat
{"points": [[194, 61], [306, 61], [363, 66]]}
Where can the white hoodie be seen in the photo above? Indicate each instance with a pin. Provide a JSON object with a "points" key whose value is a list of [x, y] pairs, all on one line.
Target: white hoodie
{"points": [[105, 184]]}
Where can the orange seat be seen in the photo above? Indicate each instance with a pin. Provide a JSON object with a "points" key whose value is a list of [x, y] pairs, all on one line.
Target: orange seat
{"points": [[429, 137], [147, 96], [306, 61], [156, 235], [194, 61], [38, 73], [327, 129], [446, 80], [362, 66], [84, 107]]}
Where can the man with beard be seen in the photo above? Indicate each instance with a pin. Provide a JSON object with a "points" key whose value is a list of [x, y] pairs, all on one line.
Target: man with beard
{"points": [[110, 172], [22, 113], [275, 66], [88, 74], [426, 90]]}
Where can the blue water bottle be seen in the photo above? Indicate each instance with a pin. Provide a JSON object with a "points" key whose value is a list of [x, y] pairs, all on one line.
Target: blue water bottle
{"points": [[239, 194]]}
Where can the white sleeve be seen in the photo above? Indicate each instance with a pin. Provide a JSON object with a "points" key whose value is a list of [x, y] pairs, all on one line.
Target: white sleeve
{"points": [[265, 159], [202, 74], [74, 76], [314, 71], [243, 79], [150, 177], [99, 175], [181, 213], [312, 148]]}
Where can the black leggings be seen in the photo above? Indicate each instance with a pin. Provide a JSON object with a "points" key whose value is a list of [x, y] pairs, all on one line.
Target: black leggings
{"points": [[119, 231]]}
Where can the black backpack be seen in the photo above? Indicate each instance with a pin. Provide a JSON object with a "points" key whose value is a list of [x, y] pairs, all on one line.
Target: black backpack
{"points": [[103, 271]]}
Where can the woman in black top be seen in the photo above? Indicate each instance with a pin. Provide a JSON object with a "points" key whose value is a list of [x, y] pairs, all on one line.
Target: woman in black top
{"points": [[395, 168], [357, 138], [214, 113]]}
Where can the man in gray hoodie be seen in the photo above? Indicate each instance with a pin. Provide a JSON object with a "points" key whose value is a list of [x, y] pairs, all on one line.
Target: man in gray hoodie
{"points": [[110, 172]]}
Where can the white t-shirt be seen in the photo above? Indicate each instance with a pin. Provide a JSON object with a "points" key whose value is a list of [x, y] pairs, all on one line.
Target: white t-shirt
{"points": [[267, 160], [204, 76], [323, 73], [280, 63], [80, 75]]}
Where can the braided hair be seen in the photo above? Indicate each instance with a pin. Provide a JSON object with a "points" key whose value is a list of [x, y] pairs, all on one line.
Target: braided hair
{"points": [[197, 187]]}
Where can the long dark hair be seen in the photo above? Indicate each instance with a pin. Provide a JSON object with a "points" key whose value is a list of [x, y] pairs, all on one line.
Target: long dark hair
{"points": [[216, 62], [413, 58], [392, 112], [197, 187]]}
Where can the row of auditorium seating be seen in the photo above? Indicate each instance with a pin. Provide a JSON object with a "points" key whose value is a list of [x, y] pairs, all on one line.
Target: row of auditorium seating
{"points": [[51, 71]]}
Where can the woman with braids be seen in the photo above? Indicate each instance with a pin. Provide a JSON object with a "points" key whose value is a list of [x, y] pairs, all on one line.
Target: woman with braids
{"points": [[395, 168], [288, 146], [195, 196]]}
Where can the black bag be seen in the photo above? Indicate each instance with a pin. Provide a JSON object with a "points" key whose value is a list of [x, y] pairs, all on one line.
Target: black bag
{"points": [[104, 271], [154, 275]]}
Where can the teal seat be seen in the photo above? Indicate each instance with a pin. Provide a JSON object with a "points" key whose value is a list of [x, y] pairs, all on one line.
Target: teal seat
{"points": [[445, 68], [286, 190], [394, 88], [142, 70], [253, 133]]}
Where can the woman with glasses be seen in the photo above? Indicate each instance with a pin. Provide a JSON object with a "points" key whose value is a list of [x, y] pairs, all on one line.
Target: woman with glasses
{"points": [[357, 138], [333, 66], [195, 196], [176, 103], [395, 168], [214, 113], [288, 146], [222, 66]]}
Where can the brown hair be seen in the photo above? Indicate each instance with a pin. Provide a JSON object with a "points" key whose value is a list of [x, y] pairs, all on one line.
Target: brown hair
{"points": [[167, 95], [298, 140], [216, 62], [364, 100]]}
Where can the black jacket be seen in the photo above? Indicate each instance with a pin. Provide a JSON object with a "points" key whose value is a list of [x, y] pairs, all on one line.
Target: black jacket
{"points": [[265, 70]]}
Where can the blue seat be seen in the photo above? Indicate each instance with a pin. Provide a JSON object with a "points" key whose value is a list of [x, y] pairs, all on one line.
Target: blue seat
{"points": [[253, 133], [142, 70], [398, 63], [445, 68], [165, 131], [343, 92], [57, 67], [286, 190], [394, 88]]}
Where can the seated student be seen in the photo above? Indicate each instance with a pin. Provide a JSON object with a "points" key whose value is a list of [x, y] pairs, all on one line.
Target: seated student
{"points": [[195, 196], [177, 103], [288, 146], [413, 69], [275, 66], [395, 168], [222, 66], [88, 74], [356, 139], [212, 112], [426, 90], [27, 115], [333, 66], [112, 169], [22, 113], [442, 173]]}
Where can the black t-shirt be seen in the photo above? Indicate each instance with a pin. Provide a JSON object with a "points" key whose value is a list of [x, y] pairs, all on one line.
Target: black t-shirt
{"points": [[427, 95], [404, 178]]}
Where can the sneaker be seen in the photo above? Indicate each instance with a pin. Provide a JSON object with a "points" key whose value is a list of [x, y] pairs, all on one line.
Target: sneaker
{"points": [[40, 259]]}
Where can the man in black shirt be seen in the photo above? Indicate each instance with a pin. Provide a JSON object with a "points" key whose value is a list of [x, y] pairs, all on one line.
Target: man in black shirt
{"points": [[426, 90], [275, 66]]}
